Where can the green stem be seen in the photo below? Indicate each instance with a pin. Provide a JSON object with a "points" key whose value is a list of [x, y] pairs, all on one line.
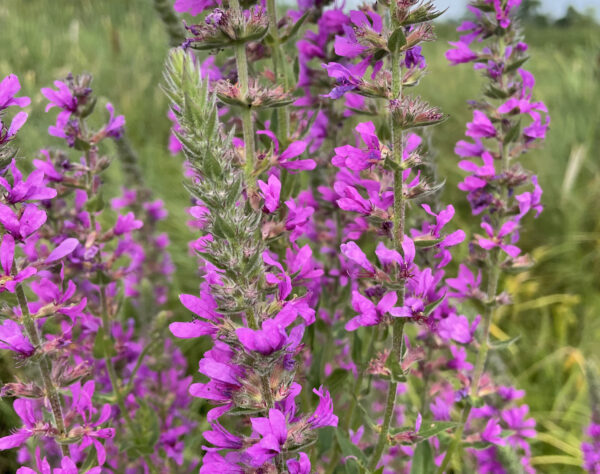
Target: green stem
{"points": [[44, 366], [390, 405], [247, 123], [114, 380], [138, 364], [347, 421], [494, 275], [398, 235], [283, 120], [493, 270], [241, 61]]}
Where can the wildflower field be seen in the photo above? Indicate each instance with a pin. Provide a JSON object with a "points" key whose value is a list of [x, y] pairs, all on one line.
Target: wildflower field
{"points": [[328, 211]]}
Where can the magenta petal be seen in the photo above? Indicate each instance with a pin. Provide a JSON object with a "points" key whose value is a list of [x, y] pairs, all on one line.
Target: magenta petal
{"points": [[66, 247], [192, 329]]}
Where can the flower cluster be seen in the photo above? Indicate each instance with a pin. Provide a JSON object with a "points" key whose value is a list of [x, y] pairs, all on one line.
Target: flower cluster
{"points": [[506, 124], [249, 301], [326, 263]]}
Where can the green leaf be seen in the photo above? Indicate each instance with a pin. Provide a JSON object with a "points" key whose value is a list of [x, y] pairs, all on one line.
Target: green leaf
{"points": [[102, 346], [425, 241], [294, 29], [147, 428], [430, 308], [422, 461], [81, 145], [357, 348], [397, 374], [397, 40], [95, 204], [349, 449], [335, 382], [433, 428], [517, 64], [504, 344], [513, 133]]}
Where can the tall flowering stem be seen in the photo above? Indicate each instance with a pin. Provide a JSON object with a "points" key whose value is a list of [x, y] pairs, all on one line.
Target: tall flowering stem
{"points": [[399, 217], [246, 304], [45, 367], [391, 176], [506, 124]]}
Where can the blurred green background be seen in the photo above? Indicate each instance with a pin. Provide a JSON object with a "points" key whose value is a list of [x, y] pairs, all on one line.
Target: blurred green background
{"points": [[556, 304]]}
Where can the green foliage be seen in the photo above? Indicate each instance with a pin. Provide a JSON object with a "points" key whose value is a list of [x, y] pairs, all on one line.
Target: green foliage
{"points": [[556, 303]]}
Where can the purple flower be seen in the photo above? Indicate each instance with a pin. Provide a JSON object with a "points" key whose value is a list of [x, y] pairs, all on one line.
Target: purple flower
{"points": [[13, 339], [270, 193], [213, 462], [349, 44], [357, 159], [481, 126], [67, 466], [281, 279], [387, 257], [498, 240], [66, 247], [225, 379], [353, 253], [114, 127], [89, 431], [295, 149], [354, 202], [530, 200], [17, 122], [273, 432], [465, 284], [272, 336], [9, 87], [459, 359], [323, 415], [221, 438], [369, 313], [492, 432], [9, 281], [462, 53], [523, 428], [62, 98], [457, 328], [591, 450], [25, 409], [348, 78], [31, 189], [193, 7], [202, 307], [127, 223], [31, 219], [299, 466]]}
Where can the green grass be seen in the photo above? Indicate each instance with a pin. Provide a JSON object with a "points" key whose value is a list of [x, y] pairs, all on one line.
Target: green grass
{"points": [[557, 303]]}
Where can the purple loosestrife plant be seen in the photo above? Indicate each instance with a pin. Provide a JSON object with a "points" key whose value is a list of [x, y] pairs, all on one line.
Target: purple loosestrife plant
{"points": [[123, 273], [40, 332], [246, 302], [507, 122], [377, 180], [93, 263]]}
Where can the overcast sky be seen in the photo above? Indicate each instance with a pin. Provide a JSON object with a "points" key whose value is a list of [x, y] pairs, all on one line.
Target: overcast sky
{"points": [[555, 8]]}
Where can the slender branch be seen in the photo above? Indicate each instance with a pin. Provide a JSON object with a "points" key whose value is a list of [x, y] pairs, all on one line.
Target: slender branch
{"points": [[43, 364], [398, 234], [493, 270], [347, 421], [283, 120], [241, 60], [114, 380]]}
